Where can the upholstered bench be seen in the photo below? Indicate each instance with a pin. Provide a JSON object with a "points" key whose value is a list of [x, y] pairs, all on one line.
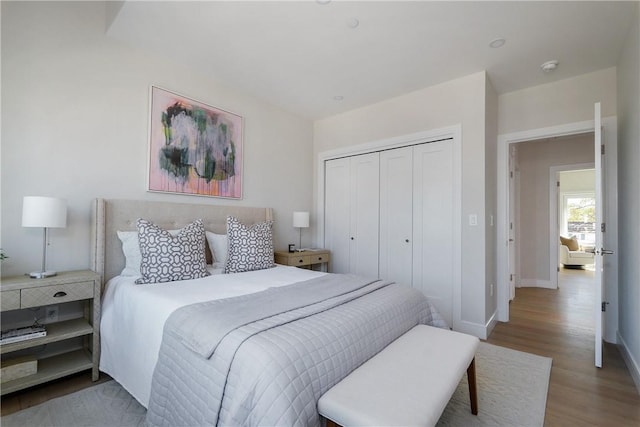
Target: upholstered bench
{"points": [[408, 383]]}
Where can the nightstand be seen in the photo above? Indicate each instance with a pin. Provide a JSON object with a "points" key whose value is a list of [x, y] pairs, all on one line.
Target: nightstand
{"points": [[305, 259], [22, 292]]}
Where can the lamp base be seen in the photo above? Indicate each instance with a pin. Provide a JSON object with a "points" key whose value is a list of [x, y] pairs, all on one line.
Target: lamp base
{"points": [[42, 274]]}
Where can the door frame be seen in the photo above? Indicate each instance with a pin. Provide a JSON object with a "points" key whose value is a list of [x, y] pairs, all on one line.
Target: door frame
{"points": [[610, 205]]}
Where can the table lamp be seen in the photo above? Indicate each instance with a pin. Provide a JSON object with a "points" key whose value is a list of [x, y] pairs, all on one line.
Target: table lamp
{"points": [[45, 212], [300, 221]]}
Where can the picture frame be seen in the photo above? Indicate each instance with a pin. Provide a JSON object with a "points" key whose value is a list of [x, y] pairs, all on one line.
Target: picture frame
{"points": [[194, 148]]}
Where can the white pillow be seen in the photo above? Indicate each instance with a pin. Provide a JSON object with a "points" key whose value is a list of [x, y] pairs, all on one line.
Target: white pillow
{"points": [[219, 246], [131, 251]]}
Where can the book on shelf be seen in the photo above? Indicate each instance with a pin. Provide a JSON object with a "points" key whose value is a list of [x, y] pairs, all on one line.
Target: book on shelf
{"points": [[22, 334]]}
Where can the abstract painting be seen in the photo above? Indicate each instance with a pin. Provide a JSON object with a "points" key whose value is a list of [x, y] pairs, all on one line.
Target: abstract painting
{"points": [[194, 148]]}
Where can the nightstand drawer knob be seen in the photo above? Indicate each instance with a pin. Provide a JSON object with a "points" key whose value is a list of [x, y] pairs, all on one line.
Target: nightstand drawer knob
{"points": [[300, 260], [60, 294]]}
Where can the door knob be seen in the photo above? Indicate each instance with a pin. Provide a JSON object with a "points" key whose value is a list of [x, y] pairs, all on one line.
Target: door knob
{"points": [[604, 252]]}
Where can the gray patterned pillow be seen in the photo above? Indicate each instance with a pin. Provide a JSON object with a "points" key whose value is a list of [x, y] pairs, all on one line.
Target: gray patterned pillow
{"points": [[166, 258], [250, 248]]}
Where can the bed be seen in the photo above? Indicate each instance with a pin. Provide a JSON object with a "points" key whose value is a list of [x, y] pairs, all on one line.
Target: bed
{"points": [[250, 348]]}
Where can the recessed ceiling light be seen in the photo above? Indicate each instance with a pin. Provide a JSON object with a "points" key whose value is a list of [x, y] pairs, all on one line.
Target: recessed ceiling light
{"points": [[549, 66], [323, 1], [338, 98], [353, 23], [496, 43]]}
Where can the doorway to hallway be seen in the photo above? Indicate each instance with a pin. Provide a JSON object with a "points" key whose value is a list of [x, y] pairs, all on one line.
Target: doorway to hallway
{"points": [[558, 323]]}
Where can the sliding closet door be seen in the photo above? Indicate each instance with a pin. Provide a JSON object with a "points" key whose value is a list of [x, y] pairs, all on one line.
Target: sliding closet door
{"points": [[365, 204], [396, 215], [433, 248], [337, 213]]}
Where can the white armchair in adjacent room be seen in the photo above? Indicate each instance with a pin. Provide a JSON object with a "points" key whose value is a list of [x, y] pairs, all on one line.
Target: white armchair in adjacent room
{"points": [[572, 255]]}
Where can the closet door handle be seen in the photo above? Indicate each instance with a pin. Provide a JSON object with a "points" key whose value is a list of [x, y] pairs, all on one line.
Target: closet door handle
{"points": [[352, 238], [406, 240]]}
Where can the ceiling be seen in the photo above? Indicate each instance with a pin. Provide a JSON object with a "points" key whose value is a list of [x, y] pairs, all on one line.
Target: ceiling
{"points": [[301, 55]]}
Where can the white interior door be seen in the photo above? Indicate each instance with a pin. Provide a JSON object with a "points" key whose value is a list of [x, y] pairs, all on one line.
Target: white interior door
{"points": [[365, 206], [396, 216], [512, 222], [600, 251], [433, 224], [336, 213]]}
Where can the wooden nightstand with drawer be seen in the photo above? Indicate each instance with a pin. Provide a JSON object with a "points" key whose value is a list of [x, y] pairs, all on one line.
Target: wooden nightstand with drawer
{"points": [[306, 259], [23, 292]]}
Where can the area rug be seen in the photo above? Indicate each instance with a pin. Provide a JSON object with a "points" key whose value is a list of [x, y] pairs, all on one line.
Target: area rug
{"points": [[512, 391]]}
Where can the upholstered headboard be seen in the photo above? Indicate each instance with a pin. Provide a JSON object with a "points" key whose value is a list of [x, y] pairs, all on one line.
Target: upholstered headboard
{"points": [[109, 216]]}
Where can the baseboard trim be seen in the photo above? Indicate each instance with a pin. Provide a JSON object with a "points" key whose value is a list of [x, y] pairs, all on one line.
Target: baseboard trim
{"points": [[632, 365], [537, 283], [471, 328], [493, 320]]}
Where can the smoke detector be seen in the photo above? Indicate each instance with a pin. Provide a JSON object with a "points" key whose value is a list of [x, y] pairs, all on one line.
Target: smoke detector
{"points": [[549, 66]]}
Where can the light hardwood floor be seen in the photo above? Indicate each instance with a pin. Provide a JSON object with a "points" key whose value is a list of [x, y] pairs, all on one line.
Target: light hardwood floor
{"points": [[560, 324], [556, 324]]}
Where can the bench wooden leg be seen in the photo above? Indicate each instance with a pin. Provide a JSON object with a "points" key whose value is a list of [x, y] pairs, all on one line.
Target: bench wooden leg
{"points": [[473, 393], [331, 423]]}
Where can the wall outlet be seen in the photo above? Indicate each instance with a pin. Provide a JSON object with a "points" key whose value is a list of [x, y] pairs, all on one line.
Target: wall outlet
{"points": [[51, 314]]}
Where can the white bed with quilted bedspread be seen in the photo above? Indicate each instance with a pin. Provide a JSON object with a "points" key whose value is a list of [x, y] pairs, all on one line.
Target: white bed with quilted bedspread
{"points": [[133, 316], [249, 348]]}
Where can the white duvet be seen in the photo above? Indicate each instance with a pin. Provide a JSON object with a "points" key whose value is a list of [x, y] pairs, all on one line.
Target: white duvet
{"points": [[133, 317]]}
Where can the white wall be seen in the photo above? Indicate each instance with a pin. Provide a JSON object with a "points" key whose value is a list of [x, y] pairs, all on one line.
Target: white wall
{"points": [[74, 125], [565, 101], [460, 101], [629, 197], [535, 160]]}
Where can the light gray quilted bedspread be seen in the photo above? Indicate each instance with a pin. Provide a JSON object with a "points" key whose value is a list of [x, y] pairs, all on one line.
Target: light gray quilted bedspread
{"points": [[272, 371]]}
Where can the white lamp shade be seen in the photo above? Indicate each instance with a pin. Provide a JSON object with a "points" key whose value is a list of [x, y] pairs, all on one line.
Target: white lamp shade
{"points": [[301, 219], [47, 212]]}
